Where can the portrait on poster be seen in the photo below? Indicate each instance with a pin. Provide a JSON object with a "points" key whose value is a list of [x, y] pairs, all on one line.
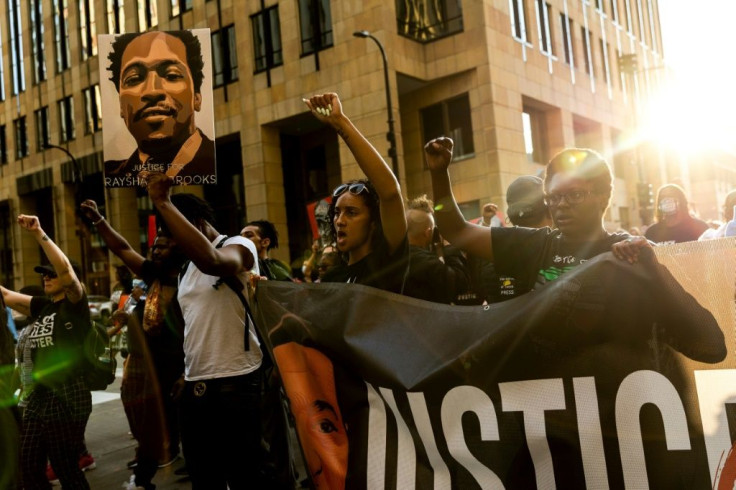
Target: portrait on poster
{"points": [[157, 110]]}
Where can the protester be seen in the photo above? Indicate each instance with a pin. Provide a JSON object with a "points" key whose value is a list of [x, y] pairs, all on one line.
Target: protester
{"points": [[367, 216], [728, 216], [9, 416], [437, 273], [264, 236], [490, 215], [220, 419], [60, 402], [674, 222], [156, 358], [578, 185], [526, 207]]}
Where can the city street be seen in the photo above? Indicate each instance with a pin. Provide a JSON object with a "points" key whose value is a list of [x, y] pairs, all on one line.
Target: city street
{"points": [[112, 446]]}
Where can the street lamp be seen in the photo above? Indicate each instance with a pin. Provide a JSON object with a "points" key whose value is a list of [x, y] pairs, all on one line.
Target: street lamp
{"points": [[77, 180], [391, 135]]}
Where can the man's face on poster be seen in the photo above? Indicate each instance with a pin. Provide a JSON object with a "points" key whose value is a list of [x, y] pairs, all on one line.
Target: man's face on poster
{"points": [[309, 382], [157, 97]]}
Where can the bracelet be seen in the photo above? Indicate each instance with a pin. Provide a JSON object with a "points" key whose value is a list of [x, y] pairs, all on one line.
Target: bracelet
{"points": [[95, 223]]}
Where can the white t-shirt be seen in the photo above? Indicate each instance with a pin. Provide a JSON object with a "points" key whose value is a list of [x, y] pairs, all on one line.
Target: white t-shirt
{"points": [[214, 342]]}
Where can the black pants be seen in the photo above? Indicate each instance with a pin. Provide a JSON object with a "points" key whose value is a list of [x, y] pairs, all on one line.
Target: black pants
{"points": [[53, 428], [221, 432]]}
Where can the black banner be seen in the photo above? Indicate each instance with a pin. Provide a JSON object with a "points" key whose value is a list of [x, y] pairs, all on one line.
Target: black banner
{"points": [[587, 382]]}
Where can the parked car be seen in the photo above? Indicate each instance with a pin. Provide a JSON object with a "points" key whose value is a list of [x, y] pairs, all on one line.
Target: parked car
{"points": [[100, 308]]}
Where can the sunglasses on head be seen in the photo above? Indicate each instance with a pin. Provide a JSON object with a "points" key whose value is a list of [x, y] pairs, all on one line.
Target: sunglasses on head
{"points": [[354, 189]]}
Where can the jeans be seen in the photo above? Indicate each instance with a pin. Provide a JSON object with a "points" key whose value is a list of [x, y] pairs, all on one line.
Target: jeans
{"points": [[221, 432]]}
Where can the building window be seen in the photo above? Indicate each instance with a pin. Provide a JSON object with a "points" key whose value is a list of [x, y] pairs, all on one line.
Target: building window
{"points": [[115, 17], [21, 137], [544, 11], [37, 46], [16, 47], [604, 61], [66, 119], [568, 42], [599, 6], [224, 56], [627, 17], [43, 130], [92, 109], [587, 52], [427, 20], [3, 146], [614, 11], [450, 118], [147, 14], [180, 6], [519, 20], [534, 127], [87, 28], [267, 39], [61, 34], [315, 21]]}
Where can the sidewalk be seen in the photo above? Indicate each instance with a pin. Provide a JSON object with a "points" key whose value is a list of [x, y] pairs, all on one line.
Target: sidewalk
{"points": [[112, 446]]}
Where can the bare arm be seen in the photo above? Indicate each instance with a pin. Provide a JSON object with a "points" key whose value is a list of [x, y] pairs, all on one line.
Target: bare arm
{"points": [[370, 162], [474, 239], [67, 278], [17, 301], [114, 240], [223, 262]]}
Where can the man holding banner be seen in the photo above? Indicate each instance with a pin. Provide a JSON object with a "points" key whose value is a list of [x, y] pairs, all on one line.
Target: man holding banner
{"points": [[158, 76]]}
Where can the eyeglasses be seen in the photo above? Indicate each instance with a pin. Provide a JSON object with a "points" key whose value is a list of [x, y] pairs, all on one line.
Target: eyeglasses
{"points": [[572, 198], [50, 275], [354, 189]]}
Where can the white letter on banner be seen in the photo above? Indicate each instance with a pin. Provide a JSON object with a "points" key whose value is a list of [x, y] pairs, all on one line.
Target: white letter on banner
{"points": [[636, 390], [715, 388], [406, 467], [457, 401], [376, 466], [534, 397], [589, 429], [424, 428]]}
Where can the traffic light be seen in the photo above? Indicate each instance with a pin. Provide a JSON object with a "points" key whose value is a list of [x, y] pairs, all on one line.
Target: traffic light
{"points": [[645, 194]]}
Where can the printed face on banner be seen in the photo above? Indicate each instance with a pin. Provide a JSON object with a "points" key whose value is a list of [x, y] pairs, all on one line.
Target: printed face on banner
{"points": [[157, 107], [309, 382]]}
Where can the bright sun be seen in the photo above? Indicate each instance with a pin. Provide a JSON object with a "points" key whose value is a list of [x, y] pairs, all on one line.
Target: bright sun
{"points": [[697, 109]]}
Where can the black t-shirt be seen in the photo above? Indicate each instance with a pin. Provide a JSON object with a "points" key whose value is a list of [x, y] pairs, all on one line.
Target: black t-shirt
{"points": [[433, 280], [161, 319], [527, 258], [379, 269], [56, 339], [687, 230]]}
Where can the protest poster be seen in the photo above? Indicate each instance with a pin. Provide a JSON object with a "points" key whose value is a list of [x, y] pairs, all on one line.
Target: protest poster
{"points": [[157, 106], [613, 376]]}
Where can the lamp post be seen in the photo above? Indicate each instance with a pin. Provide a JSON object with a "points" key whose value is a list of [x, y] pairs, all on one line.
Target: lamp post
{"points": [[77, 180], [391, 135]]}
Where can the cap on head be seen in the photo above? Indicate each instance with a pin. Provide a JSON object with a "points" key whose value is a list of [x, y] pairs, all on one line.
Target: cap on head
{"points": [[49, 269], [525, 198]]}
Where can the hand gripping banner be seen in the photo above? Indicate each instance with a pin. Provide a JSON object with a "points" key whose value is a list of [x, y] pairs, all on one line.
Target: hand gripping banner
{"points": [[613, 376]]}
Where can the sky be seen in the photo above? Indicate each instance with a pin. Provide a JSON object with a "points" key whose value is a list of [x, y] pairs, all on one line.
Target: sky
{"points": [[699, 109]]}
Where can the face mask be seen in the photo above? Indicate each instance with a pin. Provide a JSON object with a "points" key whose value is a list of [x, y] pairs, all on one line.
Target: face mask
{"points": [[668, 206]]}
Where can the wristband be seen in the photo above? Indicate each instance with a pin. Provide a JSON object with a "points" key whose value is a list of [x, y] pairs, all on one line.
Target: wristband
{"points": [[95, 223]]}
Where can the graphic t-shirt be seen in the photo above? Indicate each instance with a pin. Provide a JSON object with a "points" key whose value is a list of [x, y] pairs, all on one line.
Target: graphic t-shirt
{"points": [[535, 256], [56, 339]]}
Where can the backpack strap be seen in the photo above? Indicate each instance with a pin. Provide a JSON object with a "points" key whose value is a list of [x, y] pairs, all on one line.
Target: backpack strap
{"points": [[237, 287]]}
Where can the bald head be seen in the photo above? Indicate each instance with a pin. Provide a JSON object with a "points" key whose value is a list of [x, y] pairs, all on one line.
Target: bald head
{"points": [[420, 225]]}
